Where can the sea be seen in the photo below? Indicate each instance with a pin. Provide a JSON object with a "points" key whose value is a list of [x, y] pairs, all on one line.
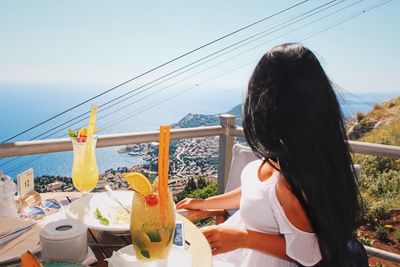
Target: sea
{"points": [[25, 105]]}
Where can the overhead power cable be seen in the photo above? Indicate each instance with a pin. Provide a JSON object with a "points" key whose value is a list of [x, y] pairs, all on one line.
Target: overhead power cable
{"points": [[143, 110], [101, 109], [156, 68], [169, 98], [326, 28], [173, 96], [285, 24], [226, 59]]}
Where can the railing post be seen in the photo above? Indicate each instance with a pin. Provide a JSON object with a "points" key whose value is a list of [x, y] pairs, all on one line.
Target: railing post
{"points": [[226, 140]]}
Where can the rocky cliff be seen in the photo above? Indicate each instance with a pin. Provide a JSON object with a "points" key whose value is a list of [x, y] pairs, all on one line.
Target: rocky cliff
{"points": [[383, 116], [197, 120]]}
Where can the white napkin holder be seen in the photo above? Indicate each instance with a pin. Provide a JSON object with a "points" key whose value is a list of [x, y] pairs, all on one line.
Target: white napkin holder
{"points": [[64, 240]]}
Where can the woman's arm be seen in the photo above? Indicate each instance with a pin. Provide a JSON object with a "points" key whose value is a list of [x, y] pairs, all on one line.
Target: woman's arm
{"points": [[223, 239], [229, 200]]}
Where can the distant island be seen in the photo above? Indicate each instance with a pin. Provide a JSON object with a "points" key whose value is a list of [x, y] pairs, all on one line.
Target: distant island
{"points": [[197, 120]]}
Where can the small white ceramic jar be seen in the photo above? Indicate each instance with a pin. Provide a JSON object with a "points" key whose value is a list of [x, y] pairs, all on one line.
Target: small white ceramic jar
{"points": [[64, 240]]}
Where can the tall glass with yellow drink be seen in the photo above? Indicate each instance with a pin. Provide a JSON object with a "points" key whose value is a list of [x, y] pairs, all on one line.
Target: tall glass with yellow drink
{"points": [[85, 174], [152, 228], [153, 212]]}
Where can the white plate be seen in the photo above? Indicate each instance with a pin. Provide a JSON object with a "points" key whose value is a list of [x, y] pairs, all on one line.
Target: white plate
{"points": [[82, 209], [177, 257]]}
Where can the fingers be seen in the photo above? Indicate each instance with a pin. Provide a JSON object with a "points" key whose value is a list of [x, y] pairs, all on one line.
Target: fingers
{"points": [[212, 242], [190, 204], [182, 204], [210, 234], [222, 239], [209, 231]]}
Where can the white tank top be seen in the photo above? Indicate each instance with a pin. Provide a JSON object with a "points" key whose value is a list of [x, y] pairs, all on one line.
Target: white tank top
{"points": [[261, 211]]}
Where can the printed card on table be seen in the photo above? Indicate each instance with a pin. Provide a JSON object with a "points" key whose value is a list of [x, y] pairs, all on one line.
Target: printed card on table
{"points": [[25, 182]]}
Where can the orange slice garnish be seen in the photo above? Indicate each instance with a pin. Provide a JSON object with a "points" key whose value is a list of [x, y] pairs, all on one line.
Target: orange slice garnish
{"points": [[138, 182]]}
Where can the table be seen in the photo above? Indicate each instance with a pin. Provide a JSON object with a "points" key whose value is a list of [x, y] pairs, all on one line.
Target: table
{"points": [[103, 243]]}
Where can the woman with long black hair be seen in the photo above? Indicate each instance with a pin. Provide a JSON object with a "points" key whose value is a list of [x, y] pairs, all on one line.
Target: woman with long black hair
{"points": [[298, 204]]}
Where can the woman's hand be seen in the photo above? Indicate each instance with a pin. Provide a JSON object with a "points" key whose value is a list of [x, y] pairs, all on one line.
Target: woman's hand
{"points": [[223, 239], [191, 204]]}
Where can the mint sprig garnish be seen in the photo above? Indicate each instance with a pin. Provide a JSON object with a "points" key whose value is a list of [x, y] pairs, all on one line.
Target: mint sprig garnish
{"points": [[100, 217], [72, 133]]}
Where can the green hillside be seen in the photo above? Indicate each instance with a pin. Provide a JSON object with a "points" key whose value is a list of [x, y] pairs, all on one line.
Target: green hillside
{"points": [[380, 177]]}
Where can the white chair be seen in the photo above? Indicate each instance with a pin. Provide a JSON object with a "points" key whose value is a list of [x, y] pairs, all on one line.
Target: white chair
{"points": [[241, 156]]}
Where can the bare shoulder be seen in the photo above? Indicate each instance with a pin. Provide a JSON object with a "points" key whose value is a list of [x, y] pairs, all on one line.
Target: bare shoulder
{"points": [[292, 207]]}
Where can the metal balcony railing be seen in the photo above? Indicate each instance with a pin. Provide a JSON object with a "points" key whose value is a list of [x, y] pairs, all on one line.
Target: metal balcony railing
{"points": [[227, 131]]}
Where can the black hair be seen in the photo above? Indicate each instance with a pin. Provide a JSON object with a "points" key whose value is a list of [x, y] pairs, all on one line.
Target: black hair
{"points": [[291, 115]]}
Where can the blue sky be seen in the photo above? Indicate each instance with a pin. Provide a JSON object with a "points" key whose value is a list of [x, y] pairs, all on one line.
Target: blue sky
{"points": [[56, 54], [103, 43]]}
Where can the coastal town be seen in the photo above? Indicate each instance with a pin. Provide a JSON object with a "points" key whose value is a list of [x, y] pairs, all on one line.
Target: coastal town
{"points": [[189, 158]]}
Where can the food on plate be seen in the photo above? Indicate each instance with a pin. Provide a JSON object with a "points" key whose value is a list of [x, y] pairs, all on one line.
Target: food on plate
{"points": [[113, 215], [118, 215], [100, 217]]}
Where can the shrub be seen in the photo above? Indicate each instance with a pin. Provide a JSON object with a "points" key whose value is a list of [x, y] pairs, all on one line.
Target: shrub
{"points": [[205, 192], [385, 185], [374, 165], [376, 208], [397, 235], [179, 196], [201, 182], [191, 185], [365, 240], [377, 106], [208, 191], [379, 186], [382, 233], [205, 222], [360, 116]]}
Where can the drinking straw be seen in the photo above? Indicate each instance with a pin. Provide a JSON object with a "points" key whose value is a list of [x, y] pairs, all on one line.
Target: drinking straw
{"points": [[160, 156], [163, 170], [90, 133], [166, 166], [166, 157]]}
